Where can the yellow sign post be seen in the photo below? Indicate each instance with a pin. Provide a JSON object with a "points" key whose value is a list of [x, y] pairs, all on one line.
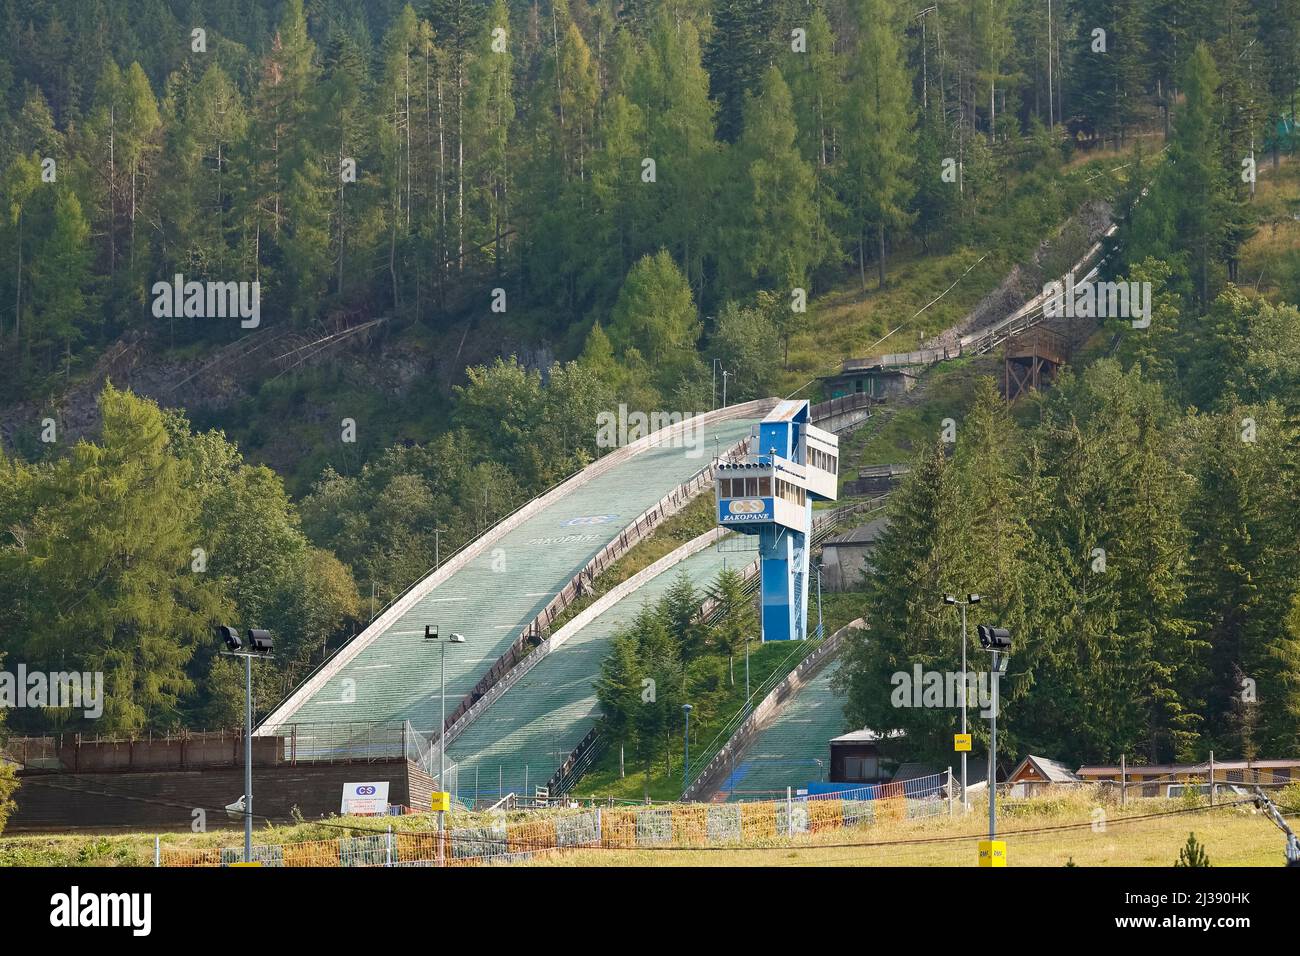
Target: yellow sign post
{"points": [[441, 801], [961, 742], [993, 853]]}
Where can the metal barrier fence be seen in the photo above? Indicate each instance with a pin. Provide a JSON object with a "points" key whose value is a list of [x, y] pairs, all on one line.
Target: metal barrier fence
{"points": [[678, 825]]}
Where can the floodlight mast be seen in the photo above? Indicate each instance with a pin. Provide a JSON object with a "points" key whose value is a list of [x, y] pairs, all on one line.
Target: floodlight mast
{"points": [[259, 645], [951, 599], [997, 641]]}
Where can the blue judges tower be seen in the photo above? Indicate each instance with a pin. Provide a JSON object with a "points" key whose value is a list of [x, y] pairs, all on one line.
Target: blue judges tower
{"points": [[769, 492]]}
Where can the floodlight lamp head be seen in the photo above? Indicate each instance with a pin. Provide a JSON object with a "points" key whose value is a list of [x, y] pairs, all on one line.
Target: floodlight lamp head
{"points": [[230, 637], [949, 599], [994, 638], [431, 632], [259, 640], [973, 598], [457, 638]]}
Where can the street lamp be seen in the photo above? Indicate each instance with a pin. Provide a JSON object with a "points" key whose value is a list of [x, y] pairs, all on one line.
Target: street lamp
{"points": [[431, 634], [997, 641], [259, 645], [965, 688], [686, 752]]}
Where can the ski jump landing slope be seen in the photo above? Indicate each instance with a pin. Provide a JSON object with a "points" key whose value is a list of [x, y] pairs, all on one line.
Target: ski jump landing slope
{"points": [[492, 589], [521, 740]]}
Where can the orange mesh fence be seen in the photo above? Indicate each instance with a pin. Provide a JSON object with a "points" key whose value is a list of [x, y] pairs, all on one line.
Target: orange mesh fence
{"points": [[691, 823], [892, 809], [618, 828], [825, 815], [502, 841], [312, 853], [179, 857], [758, 821]]}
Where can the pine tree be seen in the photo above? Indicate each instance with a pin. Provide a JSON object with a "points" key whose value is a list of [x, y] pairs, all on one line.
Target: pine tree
{"points": [[341, 110], [108, 541], [737, 620], [816, 90], [492, 108], [18, 184], [738, 56], [1278, 24], [1243, 563], [680, 607], [1192, 854], [1196, 178], [394, 103], [1107, 84], [60, 278], [878, 132], [618, 690], [780, 221], [915, 562], [1122, 672], [671, 88], [455, 25], [655, 314]]}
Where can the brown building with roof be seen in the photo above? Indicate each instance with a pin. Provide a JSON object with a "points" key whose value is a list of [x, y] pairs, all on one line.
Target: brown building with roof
{"points": [[1154, 780]]}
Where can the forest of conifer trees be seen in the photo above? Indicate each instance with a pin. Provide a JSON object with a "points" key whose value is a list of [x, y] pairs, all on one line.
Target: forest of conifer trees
{"points": [[630, 192]]}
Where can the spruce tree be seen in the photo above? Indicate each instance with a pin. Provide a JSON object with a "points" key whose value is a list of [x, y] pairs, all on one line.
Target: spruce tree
{"points": [[878, 132]]}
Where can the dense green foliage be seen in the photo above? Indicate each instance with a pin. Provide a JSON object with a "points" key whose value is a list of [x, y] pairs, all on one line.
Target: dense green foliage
{"points": [[1139, 541], [404, 161], [1139, 533], [120, 557], [634, 191], [668, 657]]}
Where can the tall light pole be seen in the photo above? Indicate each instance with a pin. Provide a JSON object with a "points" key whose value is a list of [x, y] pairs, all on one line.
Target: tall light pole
{"points": [[686, 750], [725, 373], [431, 634], [965, 686], [259, 645], [997, 641]]}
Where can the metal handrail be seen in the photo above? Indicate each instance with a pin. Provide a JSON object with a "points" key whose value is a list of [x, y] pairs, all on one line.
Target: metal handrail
{"points": [[1022, 319], [811, 659], [641, 527], [803, 649], [401, 594], [824, 524], [578, 762], [451, 557]]}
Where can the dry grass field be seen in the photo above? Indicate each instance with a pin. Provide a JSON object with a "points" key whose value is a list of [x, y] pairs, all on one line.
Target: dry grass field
{"points": [[1234, 836], [1047, 831]]}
